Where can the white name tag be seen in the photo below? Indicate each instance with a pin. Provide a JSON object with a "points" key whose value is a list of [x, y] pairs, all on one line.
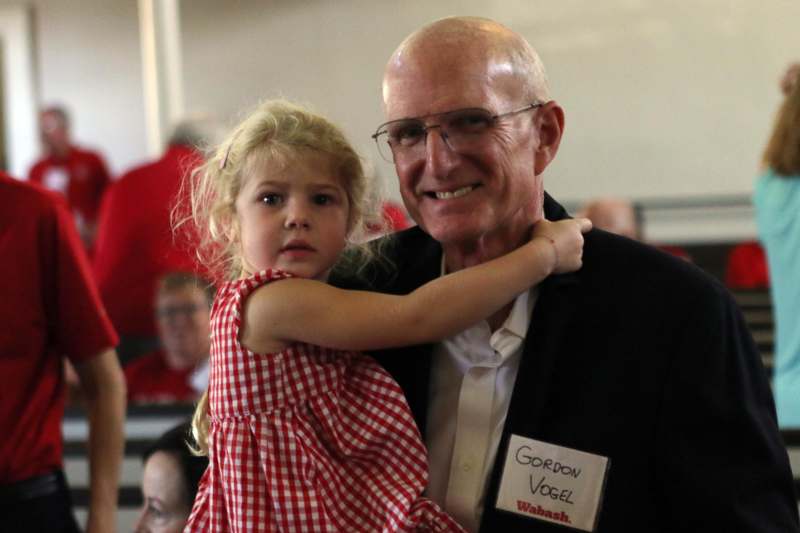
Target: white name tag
{"points": [[552, 483]]}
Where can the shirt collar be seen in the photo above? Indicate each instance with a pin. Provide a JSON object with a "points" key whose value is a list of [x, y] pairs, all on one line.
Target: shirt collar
{"points": [[519, 318]]}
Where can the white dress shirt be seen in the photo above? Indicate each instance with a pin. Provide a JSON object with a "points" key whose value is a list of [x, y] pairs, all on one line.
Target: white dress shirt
{"points": [[472, 377]]}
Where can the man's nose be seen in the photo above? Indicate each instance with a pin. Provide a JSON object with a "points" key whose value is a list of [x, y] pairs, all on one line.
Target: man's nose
{"points": [[440, 158]]}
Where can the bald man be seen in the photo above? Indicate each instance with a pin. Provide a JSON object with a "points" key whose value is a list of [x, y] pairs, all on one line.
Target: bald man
{"points": [[615, 215], [626, 397]]}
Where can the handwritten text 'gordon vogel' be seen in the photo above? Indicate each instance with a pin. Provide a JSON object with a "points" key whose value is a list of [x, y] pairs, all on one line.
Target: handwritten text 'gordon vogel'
{"points": [[541, 469]]}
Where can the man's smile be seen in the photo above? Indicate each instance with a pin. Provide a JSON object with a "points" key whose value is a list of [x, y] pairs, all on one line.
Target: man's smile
{"points": [[451, 194]]}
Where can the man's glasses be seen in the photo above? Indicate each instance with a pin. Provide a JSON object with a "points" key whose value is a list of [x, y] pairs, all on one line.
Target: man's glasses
{"points": [[462, 129], [173, 312]]}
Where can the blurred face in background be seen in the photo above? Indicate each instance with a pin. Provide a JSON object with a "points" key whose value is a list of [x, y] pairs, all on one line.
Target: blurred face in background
{"points": [[166, 507], [54, 133], [183, 316]]}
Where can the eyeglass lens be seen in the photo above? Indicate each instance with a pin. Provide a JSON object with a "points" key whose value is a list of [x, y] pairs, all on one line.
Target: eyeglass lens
{"points": [[172, 312], [460, 129]]}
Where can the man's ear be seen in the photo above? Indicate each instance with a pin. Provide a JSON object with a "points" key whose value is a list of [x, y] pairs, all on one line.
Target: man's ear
{"points": [[549, 120]]}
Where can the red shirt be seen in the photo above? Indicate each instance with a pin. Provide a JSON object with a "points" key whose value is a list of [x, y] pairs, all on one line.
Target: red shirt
{"points": [[82, 177], [747, 267], [394, 219], [135, 244], [49, 308], [150, 380], [395, 216]]}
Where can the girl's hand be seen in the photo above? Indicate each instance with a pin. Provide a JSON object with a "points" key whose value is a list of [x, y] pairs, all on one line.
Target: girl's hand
{"points": [[566, 240]]}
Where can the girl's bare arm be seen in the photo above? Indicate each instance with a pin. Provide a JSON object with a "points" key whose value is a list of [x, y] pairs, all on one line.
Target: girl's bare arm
{"points": [[301, 310]]}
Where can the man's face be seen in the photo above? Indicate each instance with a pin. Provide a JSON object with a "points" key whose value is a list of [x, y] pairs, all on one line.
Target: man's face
{"points": [[183, 324], [468, 196], [55, 136]]}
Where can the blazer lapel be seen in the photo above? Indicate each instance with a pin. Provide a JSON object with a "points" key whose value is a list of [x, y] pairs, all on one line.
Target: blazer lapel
{"points": [[411, 366], [551, 315]]}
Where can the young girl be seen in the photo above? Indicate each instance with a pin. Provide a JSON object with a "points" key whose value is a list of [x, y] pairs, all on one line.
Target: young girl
{"points": [[302, 433]]}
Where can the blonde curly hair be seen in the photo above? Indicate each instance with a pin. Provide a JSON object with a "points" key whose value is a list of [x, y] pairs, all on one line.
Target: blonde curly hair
{"points": [[275, 132]]}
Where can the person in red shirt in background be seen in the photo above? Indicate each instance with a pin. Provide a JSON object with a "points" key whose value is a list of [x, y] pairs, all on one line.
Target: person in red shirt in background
{"points": [[135, 243], [80, 175], [51, 312], [178, 372], [395, 217]]}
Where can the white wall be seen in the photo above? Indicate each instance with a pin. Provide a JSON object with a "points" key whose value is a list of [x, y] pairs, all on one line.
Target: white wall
{"points": [[19, 90], [667, 98], [88, 59], [663, 98]]}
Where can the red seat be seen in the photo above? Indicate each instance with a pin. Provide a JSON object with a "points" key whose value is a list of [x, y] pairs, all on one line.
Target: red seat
{"points": [[747, 267]]}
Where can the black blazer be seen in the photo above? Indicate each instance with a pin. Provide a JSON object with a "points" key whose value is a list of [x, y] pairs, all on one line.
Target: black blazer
{"points": [[644, 359]]}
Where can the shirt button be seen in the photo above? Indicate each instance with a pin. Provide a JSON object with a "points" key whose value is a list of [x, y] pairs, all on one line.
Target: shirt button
{"points": [[466, 466]]}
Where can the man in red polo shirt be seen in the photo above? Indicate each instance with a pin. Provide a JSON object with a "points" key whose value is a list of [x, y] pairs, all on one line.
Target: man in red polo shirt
{"points": [[50, 309], [178, 371], [135, 244], [80, 175]]}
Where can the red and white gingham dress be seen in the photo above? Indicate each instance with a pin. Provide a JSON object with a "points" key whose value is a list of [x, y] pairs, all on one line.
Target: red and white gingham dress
{"points": [[308, 439]]}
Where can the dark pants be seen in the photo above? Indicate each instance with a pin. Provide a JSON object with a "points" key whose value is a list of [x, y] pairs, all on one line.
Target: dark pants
{"points": [[40, 505]]}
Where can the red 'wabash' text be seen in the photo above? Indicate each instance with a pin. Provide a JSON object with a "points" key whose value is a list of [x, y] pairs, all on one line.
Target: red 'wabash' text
{"points": [[538, 510]]}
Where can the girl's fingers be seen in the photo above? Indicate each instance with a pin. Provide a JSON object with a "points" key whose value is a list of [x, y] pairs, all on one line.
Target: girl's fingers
{"points": [[584, 224]]}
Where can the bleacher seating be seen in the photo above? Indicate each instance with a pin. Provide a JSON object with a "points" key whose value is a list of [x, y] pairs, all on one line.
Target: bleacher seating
{"points": [[792, 440], [756, 307], [143, 425]]}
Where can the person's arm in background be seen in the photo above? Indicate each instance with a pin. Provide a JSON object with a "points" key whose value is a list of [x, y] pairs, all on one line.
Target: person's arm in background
{"points": [[81, 330], [103, 386]]}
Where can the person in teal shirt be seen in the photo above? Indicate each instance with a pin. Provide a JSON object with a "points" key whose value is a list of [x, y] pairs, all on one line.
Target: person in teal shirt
{"points": [[777, 205]]}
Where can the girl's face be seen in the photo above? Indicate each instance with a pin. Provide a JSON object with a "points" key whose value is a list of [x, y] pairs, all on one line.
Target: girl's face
{"points": [[294, 217]]}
